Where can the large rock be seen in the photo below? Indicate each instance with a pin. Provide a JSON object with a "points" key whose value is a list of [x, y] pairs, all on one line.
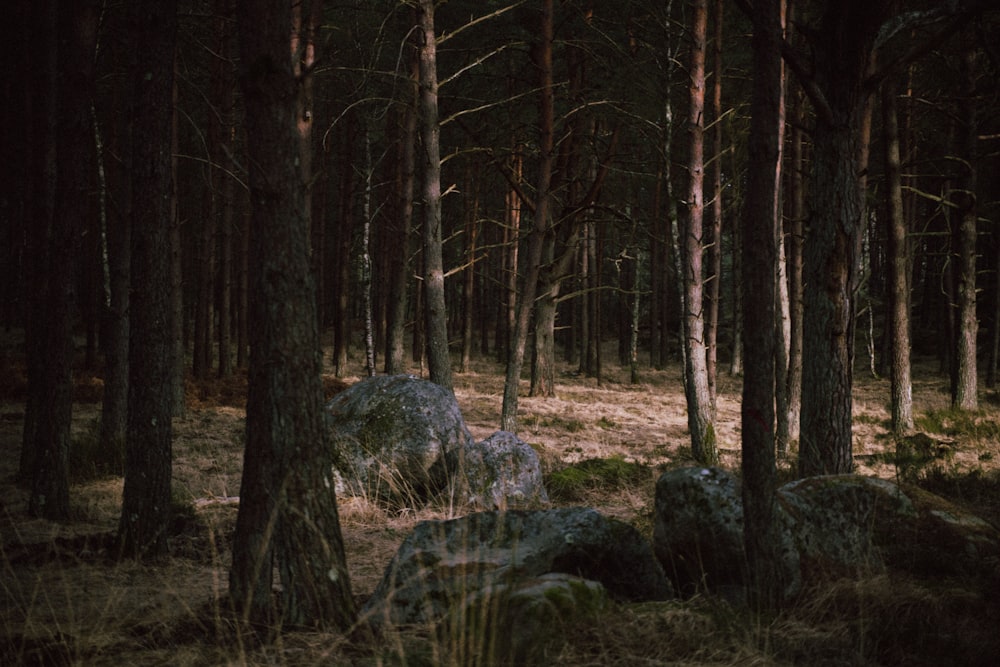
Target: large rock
{"points": [[516, 622], [698, 528], [828, 526], [847, 521], [501, 472], [388, 432], [441, 565]]}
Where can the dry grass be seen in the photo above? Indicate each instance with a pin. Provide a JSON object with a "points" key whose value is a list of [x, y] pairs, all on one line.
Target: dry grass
{"points": [[62, 601]]}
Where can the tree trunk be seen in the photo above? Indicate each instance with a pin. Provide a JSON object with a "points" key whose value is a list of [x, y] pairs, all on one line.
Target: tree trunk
{"points": [[796, 237], [177, 329], [345, 233], [761, 225], [146, 500], [899, 258], [469, 275], [699, 400], [287, 503], [224, 83], [366, 260], [543, 62], [394, 354], [838, 93], [964, 390], [714, 278], [435, 310], [76, 31], [118, 226]]}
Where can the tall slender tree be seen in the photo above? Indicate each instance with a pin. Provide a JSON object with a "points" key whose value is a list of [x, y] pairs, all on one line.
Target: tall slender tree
{"points": [[901, 409], [288, 509], [435, 308], [964, 373], [699, 401], [542, 57]]}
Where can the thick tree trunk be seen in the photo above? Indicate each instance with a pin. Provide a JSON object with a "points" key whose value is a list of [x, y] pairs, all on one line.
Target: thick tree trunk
{"points": [[761, 225], [899, 259], [699, 401], [76, 31], [146, 500], [435, 309], [287, 503], [829, 281]]}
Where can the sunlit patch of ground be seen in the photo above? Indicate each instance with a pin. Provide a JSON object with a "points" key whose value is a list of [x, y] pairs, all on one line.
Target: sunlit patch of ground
{"points": [[62, 600]]}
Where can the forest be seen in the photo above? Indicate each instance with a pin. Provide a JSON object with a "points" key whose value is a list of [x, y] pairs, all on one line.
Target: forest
{"points": [[755, 211]]}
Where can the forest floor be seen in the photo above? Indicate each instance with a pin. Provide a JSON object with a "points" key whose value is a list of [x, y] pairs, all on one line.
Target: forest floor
{"points": [[63, 601]]}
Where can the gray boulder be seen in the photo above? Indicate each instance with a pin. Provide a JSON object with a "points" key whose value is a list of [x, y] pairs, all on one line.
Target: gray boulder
{"points": [[501, 472], [388, 432], [441, 565], [519, 622], [698, 528], [827, 526]]}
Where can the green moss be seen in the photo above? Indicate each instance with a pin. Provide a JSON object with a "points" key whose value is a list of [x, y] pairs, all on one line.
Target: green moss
{"points": [[573, 482], [974, 424]]}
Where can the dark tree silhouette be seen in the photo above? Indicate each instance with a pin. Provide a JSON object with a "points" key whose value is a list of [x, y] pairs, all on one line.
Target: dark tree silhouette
{"points": [[288, 510], [146, 502]]}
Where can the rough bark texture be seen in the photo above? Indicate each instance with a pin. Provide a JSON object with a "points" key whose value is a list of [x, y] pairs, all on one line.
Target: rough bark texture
{"points": [[142, 531], [435, 310], [699, 400], [843, 44], [899, 292], [761, 224], [287, 503]]}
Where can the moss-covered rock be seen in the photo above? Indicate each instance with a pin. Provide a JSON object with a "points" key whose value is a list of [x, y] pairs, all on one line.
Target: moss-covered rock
{"points": [[388, 432]]}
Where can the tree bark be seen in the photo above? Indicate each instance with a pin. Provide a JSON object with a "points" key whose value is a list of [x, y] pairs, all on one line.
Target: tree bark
{"points": [[761, 225], [699, 401], [832, 245], [288, 509], [435, 309], [76, 39], [901, 409], [146, 499], [964, 389]]}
